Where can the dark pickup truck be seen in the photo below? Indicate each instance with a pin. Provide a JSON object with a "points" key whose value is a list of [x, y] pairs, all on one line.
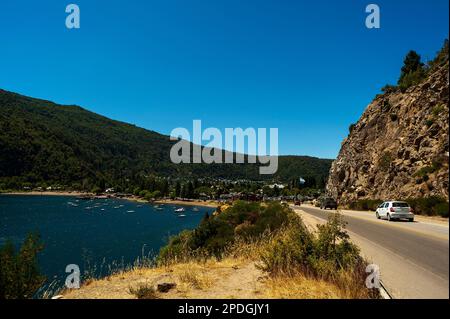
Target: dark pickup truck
{"points": [[328, 203]]}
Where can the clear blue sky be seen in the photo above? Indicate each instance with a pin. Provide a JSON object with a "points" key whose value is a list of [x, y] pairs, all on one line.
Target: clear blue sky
{"points": [[307, 67]]}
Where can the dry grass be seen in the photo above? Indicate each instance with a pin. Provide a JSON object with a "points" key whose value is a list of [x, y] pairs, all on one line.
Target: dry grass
{"points": [[195, 277], [300, 287], [229, 278], [144, 291]]}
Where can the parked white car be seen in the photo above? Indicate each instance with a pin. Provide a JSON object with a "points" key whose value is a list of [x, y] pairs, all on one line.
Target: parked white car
{"points": [[395, 210]]}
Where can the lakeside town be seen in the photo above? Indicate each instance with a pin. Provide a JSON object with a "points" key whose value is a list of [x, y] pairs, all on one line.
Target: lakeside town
{"points": [[199, 191]]}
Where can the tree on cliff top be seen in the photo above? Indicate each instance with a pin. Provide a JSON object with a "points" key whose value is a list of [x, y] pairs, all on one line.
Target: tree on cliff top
{"points": [[413, 71]]}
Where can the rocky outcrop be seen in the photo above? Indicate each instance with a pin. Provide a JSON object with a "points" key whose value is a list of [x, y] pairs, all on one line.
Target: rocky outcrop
{"points": [[399, 147]]}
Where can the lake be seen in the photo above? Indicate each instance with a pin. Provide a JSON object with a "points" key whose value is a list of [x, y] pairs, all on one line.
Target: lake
{"points": [[93, 234]]}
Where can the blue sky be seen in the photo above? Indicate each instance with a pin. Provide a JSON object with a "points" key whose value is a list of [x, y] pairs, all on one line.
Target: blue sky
{"points": [[308, 68]]}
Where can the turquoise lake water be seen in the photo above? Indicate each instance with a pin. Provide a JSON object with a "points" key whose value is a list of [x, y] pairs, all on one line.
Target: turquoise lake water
{"points": [[93, 234]]}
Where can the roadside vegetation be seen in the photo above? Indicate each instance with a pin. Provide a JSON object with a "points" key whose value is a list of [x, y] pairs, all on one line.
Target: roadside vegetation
{"points": [[278, 241], [427, 206]]}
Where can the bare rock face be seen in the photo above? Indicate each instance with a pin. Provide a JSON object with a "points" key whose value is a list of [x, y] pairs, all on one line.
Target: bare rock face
{"points": [[399, 147]]}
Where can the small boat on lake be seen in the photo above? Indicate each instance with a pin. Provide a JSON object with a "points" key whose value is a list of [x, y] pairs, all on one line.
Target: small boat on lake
{"points": [[130, 211], [181, 215], [179, 210], [195, 209]]}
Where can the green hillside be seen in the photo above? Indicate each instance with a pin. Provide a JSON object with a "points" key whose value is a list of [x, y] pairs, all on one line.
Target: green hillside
{"points": [[45, 143]]}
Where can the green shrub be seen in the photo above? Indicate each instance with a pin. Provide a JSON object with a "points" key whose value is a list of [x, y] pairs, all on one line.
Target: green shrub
{"points": [[351, 127], [441, 209], [244, 220], [176, 250], [385, 161], [389, 88], [431, 206], [436, 165], [365, 204], [280, 240], [411, 79], [289, 252], [328, 256], [437, 109], [19, 273], [429, 122], [96, 190]]}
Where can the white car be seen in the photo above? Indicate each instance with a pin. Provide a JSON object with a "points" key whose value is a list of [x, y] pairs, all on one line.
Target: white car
{"points": [[395, 210]]}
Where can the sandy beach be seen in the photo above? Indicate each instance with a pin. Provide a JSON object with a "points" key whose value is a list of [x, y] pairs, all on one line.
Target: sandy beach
{"points": [[130, 198], [188, 203]]}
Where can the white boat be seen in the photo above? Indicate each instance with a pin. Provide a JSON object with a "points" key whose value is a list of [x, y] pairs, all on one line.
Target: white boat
{"points": [[179, 210], [195, 209], [181, 215], [130, 211]]}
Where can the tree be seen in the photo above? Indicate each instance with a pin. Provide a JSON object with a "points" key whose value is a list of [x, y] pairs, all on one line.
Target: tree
{"points": [[351, 127], [19, 272], [189, 190], [97, 190], [177, 189], [411, 63], [164, 187], [413, 71]]}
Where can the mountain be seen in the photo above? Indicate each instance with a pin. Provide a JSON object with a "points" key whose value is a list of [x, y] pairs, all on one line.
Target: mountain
{"points": [[43, 142], [399, 147]]}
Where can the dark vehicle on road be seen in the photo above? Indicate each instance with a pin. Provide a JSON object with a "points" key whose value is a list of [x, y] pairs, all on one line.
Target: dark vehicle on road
{"points": [[328, 202]]}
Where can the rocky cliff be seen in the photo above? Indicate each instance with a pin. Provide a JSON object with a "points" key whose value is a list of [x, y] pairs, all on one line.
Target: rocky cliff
{"points": [[399, 147]]}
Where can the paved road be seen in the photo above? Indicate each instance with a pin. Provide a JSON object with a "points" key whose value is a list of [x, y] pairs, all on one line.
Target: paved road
{"points": [[416, 252]]}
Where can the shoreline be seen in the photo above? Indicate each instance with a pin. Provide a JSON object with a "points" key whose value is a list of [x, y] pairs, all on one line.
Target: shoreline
{"points": [[211, 204]]}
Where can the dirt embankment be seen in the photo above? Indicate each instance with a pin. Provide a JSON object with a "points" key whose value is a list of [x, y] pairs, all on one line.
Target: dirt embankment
{"points": [[229, 279]]}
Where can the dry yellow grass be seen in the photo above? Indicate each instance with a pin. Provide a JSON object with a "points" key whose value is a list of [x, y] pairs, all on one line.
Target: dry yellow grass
{"points": [[195, 277], [300, 287], [230, 278]]}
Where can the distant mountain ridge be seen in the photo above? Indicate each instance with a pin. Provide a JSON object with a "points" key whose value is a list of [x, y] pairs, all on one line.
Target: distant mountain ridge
{"points": [[41, 141]]}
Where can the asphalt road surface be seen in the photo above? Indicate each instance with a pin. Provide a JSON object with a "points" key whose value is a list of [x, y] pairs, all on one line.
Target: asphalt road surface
{"points": [[414, 257]]}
